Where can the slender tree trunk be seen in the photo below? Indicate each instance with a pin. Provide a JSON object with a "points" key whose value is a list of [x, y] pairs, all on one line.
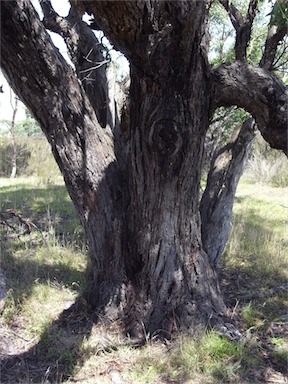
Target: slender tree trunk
{"points": [[217, 201], [13, 140]]}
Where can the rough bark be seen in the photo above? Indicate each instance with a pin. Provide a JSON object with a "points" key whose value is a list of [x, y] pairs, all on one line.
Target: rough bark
{"points": [[217, 200], [143, 225], [169, 280], [86, 53], [258, 91], [168, 270], [83, 150]]}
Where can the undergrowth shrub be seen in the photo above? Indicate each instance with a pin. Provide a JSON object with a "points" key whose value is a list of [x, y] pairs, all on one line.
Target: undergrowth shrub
{"points": [[267, 165], [41, 163], [6, 151], [34, 158]]}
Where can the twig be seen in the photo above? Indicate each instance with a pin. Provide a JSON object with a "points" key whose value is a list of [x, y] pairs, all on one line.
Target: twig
{"points": [[234, 309], [4, 221], [20, 337], [96, 66]]}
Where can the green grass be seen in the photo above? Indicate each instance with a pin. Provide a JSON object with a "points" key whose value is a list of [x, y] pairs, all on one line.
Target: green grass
{"points": [[46, 277], [258, 244]]}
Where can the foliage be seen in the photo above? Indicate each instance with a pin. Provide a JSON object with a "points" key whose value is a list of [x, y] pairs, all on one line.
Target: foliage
{"points": [[49, 270], [41, 162], [24, 128], [264, 165], [279, 14], [34, 157], [221, 35], [28, 127]]}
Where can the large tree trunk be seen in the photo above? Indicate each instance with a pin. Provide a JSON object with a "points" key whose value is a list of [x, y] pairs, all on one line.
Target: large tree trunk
{"points": [[149, 264], [140, 211], [171, 282]]}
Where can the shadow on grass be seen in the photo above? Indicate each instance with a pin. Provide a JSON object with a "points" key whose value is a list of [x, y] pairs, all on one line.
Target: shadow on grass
{"points": [[56, 355], [250, 270], [24, 274], [254, 280], [255, 260], [32, 261]]}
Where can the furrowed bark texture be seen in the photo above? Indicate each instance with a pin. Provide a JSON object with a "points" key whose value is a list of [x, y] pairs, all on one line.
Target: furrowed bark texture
{"points": [[258, 91], [86, 53], [167, 267], [83, 150], [274, 36], [143, 224], [169, 280], [217, 201]]}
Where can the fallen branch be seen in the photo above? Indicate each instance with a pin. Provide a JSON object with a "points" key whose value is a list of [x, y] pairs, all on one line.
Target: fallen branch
{"points": [[8, 215]]}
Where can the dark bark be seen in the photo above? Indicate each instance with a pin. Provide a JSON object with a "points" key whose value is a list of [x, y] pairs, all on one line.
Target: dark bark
{"points": [[143, 224], [242, 25], [217, 201], [166, 266], [274, 36], [86, 53], [83, 150], [258, 91]]}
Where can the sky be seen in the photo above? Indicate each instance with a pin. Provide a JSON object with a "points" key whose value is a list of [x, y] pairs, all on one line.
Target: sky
{"points": [[6, 109], [62, 8]]}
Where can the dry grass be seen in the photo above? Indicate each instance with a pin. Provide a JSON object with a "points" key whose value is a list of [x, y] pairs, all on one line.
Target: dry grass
{"points": [[48, 334]]}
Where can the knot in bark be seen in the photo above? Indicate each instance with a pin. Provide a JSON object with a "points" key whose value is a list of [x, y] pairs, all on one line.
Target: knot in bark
{"points": [[165, 137]]}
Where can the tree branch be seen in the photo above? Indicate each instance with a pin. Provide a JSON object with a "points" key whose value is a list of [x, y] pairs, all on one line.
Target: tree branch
{"points": [[260, 93], [56, 98], [123, 33], [274, 36], [86, 53], [6, 217], [216, 203], [141, 28], [242, 25]]}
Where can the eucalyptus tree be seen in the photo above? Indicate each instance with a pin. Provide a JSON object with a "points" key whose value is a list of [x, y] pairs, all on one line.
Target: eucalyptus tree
{"points": [[134, 179], [231, 133]]}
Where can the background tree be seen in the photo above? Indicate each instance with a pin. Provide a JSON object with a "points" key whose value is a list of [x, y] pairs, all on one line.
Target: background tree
{"points": [[13, 139], [135, 185], [228, 144]]}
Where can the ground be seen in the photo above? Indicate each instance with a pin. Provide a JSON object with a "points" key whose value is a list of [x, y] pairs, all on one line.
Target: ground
{"points": [[47, 333]]}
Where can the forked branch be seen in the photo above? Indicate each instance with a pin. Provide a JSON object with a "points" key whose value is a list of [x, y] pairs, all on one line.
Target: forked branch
{"points": [[79, 39], [276, 33], [242, 25]]}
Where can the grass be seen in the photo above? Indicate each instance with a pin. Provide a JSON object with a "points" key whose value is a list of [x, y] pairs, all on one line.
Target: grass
{"points": [[257, 252], [49, 327]]}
